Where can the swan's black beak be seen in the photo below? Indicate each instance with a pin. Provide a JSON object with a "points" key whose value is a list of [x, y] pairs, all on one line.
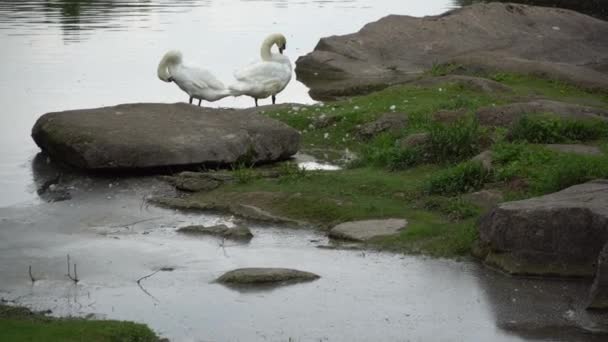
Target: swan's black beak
{"points": [[282, 48], [170, 79]]}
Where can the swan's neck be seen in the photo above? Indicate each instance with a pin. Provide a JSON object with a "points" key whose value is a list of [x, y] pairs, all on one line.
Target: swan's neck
{"points": [[265, 50], [163, 72], [169, 61]]}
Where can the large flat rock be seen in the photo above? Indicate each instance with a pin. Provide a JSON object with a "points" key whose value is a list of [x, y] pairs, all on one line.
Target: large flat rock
{"points": [[367, 230], [560, 234], [551, 42], [147, 135]]}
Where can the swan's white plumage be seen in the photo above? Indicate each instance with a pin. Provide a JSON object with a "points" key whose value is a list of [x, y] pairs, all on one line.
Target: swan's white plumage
{"points": [[267, 77], [196, 82]]}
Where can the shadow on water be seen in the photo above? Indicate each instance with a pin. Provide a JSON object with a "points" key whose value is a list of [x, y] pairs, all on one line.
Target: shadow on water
{"points": [[542, 309], [595, 8]]}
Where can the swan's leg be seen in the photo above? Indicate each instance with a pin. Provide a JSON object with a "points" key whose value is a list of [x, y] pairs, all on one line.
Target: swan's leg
{"points": [[190, 100], [256, 101], [274, 99], [199, 102]]}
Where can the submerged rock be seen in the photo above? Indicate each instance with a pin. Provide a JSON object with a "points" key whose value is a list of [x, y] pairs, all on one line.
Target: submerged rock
{"points": [[367, 230], [265, 276], [197, 181], [507, 115], [560, 234], [236, 233], [148, 135], [557, 43]]}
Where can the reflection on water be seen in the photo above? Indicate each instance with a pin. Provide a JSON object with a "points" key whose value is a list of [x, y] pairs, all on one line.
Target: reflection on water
{"points": [[76, 15]]}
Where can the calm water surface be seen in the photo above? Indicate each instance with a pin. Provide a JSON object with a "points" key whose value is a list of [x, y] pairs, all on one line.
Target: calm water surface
{"points": [[59, 55]]}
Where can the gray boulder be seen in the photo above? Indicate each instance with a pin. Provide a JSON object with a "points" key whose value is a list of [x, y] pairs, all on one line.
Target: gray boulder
{"points": [[367, 230], [265, 276], [552, 42], [507, 115], [598, 297], [560, 234], [147, 135]]}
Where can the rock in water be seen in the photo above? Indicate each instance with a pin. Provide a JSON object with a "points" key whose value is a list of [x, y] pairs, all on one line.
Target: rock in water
{"points": [[560, 234], [240, 233], [265, 276], [367, 230], [558, 43], [147, 135]]}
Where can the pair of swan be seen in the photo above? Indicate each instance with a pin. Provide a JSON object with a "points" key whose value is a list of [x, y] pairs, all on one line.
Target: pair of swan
{"points": [[258, 80]]}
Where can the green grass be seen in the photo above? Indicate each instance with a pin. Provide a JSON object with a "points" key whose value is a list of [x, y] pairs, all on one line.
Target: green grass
{"points": [[546, 171], [464, 177], [423, 184], [19, 324]]}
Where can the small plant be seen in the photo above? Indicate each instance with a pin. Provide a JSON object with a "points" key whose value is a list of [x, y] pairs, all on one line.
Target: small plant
{"points": [[462, 178], [244, 174], [454, 207], [455, 142], [291, 171], [567, 170], [403, 158], [501, 77], [442, 69]]}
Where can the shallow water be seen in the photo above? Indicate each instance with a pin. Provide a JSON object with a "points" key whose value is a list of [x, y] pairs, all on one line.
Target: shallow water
{"points": [[59, 55], [115, 239]]}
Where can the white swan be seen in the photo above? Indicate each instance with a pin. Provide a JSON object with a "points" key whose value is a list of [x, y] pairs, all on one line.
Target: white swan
{"points": [[196, 82], [268, 77]]}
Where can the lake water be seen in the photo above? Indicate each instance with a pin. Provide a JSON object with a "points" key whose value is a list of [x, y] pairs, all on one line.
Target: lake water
{"points": [[59, 55]]}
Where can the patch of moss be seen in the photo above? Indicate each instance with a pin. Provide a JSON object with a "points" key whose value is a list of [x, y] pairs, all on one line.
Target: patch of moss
{"points": [[20, 324]]}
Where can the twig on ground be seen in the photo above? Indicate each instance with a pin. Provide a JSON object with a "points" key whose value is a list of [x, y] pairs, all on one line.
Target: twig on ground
{"points": [[136, 222], [75, 277], [31, 276], [142, 287]]}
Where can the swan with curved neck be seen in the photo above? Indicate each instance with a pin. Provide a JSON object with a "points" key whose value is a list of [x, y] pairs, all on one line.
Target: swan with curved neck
{"points": [[198, 83], [267, 77]]}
